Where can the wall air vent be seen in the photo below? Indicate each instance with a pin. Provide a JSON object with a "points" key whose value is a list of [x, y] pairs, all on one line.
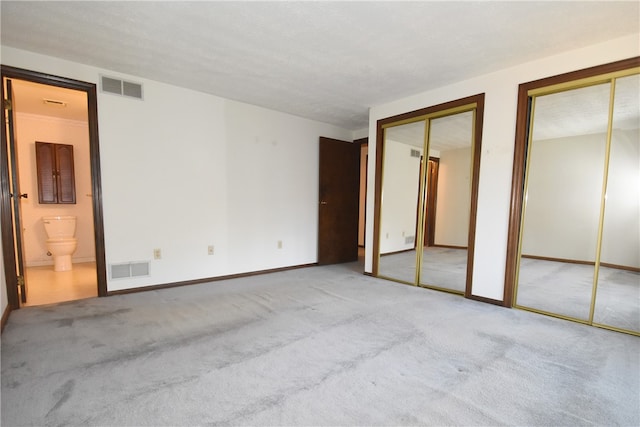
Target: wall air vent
{"points": [[120, 87], [409, 240], [129, 269], [415, 153]]}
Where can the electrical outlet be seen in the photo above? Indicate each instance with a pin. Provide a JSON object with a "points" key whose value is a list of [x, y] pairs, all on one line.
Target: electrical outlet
{"points": [[157, 254], [279, 244], [210, 250]]}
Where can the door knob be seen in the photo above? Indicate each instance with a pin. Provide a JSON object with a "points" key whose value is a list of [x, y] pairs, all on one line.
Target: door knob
{"points": [[323, 202], [24, 196]]}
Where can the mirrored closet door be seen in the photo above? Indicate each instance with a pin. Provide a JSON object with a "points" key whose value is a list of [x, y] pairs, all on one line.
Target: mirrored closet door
{"points": [[403, 152], [429, 162], [448, 202], [579, 246], [617, 298]]}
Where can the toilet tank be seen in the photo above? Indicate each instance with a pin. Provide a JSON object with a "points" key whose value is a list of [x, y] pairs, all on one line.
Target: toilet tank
{"points": [[59, 226]]}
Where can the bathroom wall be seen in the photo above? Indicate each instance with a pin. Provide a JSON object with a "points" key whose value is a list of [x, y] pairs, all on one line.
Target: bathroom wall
{"points": [[29, 129], [182, 170], [501, 91]]}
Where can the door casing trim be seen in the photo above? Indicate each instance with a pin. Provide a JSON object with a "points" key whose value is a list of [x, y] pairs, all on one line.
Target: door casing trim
{"points": [[477, 148], [519, 159], [96, 183]]}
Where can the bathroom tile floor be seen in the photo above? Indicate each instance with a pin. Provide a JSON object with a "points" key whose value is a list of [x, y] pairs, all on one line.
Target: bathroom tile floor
{"points": [[45, 286]]}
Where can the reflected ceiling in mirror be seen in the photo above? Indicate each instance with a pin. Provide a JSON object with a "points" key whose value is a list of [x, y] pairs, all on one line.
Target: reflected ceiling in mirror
{"points": [[627, 102], [409, 133], [579, 112], [452, 132], [447, 133]]}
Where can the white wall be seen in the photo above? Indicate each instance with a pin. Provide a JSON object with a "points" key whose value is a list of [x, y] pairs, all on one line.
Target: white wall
{"points": [[29, 129], [454, 198], [497, 146], [272, 180], [182, 170], [621, 230], [563, 197], [399, 197]]}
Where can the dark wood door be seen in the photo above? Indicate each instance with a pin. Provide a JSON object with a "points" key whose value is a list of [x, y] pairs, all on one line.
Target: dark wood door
{"points": [[339, 201], [432, 199], [16, 195]]}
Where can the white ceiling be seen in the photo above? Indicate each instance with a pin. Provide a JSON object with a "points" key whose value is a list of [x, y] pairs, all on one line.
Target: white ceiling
{"points": [[328, 61], [585, 111], [445, 133]]}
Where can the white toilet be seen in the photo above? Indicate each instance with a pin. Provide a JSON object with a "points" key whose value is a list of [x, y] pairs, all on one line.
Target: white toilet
{"points": [[61, 242]]}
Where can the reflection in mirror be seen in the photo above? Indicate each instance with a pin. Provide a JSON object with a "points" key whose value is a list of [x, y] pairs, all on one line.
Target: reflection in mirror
{"points": [[403, 149], [561, 207], [618, 292], [448, 202]]}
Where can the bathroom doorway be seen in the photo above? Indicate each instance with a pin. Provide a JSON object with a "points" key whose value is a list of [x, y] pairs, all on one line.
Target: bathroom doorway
{"points": [[59, 113]]}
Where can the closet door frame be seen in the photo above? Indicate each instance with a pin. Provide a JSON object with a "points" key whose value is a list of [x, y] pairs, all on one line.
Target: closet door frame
{"points": [[427, 114], [526, 92]]}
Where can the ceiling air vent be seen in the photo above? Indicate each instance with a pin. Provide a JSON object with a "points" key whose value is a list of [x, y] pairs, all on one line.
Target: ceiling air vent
{"points": [[54, 102], [121, 87]]}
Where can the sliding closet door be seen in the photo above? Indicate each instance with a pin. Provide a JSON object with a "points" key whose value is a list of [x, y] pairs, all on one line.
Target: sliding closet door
{"points": [[578, 254], [617, 302], [444, 263], [400, 200], [426, 195], [561, 208]]}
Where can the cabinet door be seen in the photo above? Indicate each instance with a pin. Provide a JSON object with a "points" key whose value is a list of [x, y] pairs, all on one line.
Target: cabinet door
{"points": [[45, 160], [65, 173], [56, 176]]}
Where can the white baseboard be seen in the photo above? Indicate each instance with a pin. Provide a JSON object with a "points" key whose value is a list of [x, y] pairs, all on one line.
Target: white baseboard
{"points": [[50, 261]]}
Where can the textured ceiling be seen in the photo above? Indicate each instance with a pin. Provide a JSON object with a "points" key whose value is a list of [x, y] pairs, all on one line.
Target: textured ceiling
{"points": [[328, 61], [445, 133], [581, 111], [585, 111]]}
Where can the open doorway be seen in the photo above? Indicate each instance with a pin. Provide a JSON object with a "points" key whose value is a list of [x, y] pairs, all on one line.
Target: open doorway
{"points": [[50, 173]]}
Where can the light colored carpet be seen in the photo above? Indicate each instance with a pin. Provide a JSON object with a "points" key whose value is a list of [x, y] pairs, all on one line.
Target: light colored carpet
{"points": [[557, 287], [441, 267], [618, 299], [565, 288], [315, 346], [444, 268]]}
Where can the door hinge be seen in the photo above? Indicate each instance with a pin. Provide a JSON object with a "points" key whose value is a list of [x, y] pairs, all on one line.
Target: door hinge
{"points": [[7, 104], [20, 281]]}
